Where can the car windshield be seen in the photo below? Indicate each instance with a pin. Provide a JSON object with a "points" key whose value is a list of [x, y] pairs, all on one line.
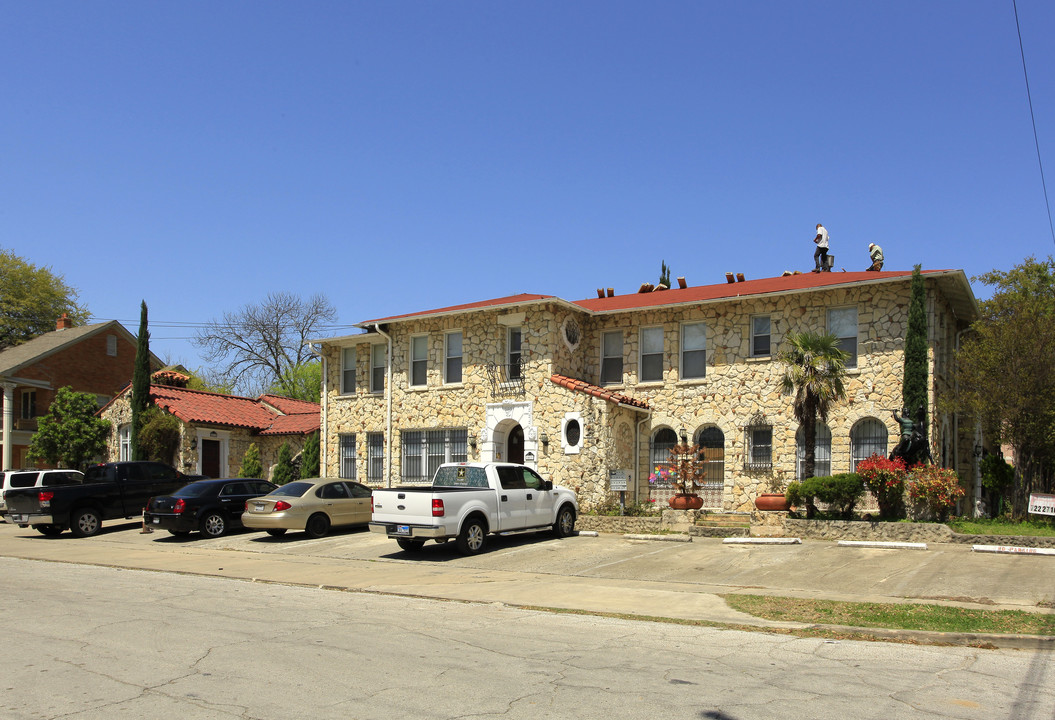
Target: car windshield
{"points": [[195, 489], [294, 489]]}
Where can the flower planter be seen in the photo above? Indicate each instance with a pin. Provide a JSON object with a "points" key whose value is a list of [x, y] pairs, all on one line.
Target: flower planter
{"points": [[684, 501], [772, 501]]}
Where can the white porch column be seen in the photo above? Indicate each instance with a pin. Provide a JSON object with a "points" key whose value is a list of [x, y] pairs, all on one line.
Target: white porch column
{"points": [[9, 424]]}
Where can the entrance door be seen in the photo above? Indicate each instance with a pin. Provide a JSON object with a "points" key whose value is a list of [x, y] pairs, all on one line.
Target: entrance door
{"points": [[210, 457], [515, 445]]}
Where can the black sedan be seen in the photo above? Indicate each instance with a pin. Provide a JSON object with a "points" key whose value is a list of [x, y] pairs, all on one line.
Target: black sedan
{"points": [[210, 506]]}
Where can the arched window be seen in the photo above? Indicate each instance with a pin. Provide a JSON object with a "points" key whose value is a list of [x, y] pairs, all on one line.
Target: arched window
{"points": [[659, 448], [822, 452], [867, 437], [712, 440]]}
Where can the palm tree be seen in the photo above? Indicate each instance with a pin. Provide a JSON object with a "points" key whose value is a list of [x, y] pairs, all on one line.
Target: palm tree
{"points": [[814, 371]]}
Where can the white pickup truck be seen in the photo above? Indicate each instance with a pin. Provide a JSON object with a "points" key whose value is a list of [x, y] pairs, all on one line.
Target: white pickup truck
{"points": [[467, 501]]}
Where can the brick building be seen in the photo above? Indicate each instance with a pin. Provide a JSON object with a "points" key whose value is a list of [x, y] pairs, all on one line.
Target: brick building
{"points": [[97, 359]]}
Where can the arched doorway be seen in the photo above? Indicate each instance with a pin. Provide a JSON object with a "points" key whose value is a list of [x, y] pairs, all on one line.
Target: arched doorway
{"points": [[515, 444]]}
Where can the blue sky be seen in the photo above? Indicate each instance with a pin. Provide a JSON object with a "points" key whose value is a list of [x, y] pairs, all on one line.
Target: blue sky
{"points": [[401, 156]]}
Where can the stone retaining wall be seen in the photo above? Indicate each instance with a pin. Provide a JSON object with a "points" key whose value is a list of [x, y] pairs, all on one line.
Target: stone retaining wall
{"points": [[863, 530], [618, 524]]}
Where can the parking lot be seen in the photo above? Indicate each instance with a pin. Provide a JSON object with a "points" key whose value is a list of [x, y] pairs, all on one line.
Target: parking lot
{"points": [[606, 572]]}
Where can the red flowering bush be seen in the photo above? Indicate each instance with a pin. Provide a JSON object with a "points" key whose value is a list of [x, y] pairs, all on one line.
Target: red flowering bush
{"points": [[935, 488], [886, 480]]}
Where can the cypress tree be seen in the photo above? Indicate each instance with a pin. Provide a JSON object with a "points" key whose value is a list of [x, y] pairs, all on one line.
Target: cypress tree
{"points": [[309, 457], [284, 467], [251, 466], [914, 388], [140, 383]]}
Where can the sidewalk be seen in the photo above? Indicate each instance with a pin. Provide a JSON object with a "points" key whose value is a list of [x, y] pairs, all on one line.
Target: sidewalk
{"points": [[609, 574]]}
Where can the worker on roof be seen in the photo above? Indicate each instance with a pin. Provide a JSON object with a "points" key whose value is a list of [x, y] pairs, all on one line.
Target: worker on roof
{"points": [[876, 253], [820, 255]]}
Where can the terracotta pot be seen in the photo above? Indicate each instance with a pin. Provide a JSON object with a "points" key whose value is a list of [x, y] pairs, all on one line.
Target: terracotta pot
{"points": [[683, 501], [772, 501]]}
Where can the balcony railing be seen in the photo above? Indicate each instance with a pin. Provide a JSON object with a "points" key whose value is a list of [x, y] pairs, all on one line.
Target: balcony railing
{"points": [[506, 380]]}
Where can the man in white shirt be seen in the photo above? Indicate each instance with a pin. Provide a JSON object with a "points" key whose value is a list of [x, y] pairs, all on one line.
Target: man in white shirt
{"points": [[876, 254], [820, 255]]}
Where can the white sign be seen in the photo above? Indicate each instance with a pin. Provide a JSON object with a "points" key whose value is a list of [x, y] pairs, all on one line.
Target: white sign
{"points": [[1042, 504], [618, 480]]}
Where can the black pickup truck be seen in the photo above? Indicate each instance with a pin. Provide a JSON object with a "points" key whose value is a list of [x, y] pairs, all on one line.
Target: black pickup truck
{"points": [[110, 491]]}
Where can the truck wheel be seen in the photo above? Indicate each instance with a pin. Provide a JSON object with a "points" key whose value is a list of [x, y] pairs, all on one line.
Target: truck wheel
{"points": [[213, 525], [473, 536], [410, 545], [85, 522], [49, 530], [276, 532], [565, 524], [318, 525]]}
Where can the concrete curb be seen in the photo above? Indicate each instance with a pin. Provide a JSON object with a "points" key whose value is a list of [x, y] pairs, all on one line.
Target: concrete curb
{"points": [[660, 538], [761, 541], [1013, 550], [883, 544]]}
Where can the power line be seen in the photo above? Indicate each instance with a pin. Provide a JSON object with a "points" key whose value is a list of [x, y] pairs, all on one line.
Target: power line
{"points": [[1036, 139]]}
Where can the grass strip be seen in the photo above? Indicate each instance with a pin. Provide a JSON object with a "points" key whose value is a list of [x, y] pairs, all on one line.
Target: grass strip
{"points": [[981, 526], [898, 616]]}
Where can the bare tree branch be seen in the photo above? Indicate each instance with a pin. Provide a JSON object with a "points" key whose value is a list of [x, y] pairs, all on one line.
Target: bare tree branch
{"points": [[259, 345]]}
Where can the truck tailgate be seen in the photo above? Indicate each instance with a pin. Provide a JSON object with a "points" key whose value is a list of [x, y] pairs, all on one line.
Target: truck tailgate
{"points": [[403, 506]]}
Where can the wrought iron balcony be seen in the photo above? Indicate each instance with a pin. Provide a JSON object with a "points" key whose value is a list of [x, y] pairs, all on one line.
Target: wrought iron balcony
{"points": [[506, 380]]}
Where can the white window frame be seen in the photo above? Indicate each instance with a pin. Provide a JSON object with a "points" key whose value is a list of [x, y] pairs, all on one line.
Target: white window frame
{"points": [[348, 358], [449, 359], [846, 341], [124, 442], [515, 357], [755, 351], [685, 350], [642, 355], [419, 359], [608, 361], [568, 447], [378, 352]]}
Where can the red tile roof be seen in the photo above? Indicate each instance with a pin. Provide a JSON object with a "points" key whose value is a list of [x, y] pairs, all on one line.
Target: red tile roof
{"points": [[199, 406], [726, 291], [597, 391], [510, 300]]}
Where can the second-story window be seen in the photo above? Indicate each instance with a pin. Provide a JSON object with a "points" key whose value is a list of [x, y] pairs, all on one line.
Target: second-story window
{"points": [[651, 355], [760, 328], [612, 357], [347, 371], [513, 352], [693, 351], [29, 404], [452, 366], [842, 323], [377, 368], [419, 348]]}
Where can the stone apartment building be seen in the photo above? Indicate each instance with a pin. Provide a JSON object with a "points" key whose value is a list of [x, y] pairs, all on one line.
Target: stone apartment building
{"points": [[594, 392]]}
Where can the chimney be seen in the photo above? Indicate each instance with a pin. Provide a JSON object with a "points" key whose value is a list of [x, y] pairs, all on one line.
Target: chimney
{"points": [[681, 283], [600, 292], [729, 278], [64, 322], [739, 277], [611, 292]]}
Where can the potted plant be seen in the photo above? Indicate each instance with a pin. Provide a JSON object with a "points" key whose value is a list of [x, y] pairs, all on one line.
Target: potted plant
{"points": [[686, 464]]}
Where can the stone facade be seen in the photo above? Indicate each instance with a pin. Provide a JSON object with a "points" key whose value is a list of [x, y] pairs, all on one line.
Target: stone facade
{"points": [[738, 390]]}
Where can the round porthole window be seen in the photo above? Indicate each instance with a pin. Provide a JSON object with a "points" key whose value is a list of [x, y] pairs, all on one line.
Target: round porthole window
{"points": [[572, 433]]}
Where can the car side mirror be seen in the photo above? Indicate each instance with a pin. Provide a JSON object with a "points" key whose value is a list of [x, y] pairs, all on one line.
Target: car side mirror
{"points": [[547, 485]]}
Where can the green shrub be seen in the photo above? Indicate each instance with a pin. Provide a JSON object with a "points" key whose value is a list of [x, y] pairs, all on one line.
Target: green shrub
{"points": [[284, 471], [251, 466], [840, 492]]}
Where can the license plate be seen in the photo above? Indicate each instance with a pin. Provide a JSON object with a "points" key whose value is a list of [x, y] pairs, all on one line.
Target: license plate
{"points": [[402, 529], [18, 518], [157, 521], [259, 507]]}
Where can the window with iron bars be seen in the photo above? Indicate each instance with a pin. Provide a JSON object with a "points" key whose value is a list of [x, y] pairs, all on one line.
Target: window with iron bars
{"points": [[423, 451], [758, 439], [347, 470], [375, 457]]}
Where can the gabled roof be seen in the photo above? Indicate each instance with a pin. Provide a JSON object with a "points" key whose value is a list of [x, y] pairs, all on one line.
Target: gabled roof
{"points": [[267, 415], [32, 351], [510, 301], [597, 391], [953, 283]]}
